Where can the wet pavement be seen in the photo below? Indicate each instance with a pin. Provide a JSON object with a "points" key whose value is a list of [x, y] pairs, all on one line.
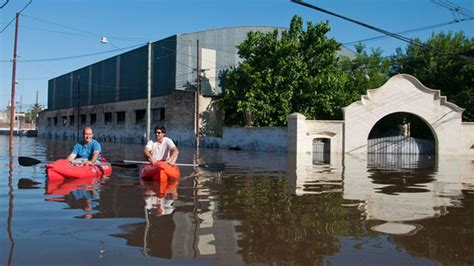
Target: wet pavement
{"points": [[261, 208]]}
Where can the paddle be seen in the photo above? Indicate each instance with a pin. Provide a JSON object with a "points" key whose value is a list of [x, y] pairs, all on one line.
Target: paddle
{"points": [[211, 166], [217, 167], [28, 161]]}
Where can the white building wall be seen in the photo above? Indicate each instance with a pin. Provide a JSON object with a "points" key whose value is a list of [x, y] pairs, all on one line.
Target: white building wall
{"points": [[250, 138], [468, 137], [302, 132]]}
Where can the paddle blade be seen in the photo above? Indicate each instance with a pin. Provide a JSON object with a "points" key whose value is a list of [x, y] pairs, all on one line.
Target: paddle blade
{"points": [[27, 161], [216, 167], [125, 165]]}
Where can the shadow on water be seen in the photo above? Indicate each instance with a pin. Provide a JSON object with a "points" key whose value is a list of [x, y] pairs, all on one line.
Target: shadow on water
{"points": [[260, 209]]}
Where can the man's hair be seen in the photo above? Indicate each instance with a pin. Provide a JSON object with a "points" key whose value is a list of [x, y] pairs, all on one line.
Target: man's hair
{"points": [[161, 127], [84, 130]]}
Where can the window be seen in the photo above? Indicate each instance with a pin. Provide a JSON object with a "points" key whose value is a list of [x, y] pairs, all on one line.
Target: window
{"points": [[49, 121], [55, 121], [121, 117], [64, 120], [83, 119], [108, 118], [140, 116], [93, 119], [321, 151], [71, 120], [158, 115]]}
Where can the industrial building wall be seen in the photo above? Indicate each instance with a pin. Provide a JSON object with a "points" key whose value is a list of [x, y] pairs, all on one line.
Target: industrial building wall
{"points": [[123, 122], [164, 79], [119, 78]]}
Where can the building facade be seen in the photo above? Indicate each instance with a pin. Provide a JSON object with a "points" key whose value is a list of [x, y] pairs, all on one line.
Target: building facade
{"points": [[111, 95]]}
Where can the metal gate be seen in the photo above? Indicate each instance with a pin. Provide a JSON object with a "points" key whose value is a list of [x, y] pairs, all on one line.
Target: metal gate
{"points": [[400, 140], [321, 151]]}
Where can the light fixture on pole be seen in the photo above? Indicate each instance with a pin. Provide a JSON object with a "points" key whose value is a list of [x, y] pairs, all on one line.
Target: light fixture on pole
{"points": [[104, 40]]}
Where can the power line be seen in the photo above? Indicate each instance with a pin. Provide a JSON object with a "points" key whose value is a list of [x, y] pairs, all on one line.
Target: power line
{"points": [[410, 31], [86, 31], [74, 56], [4, 4], [393, 35], [455, 9], [13, 19]]}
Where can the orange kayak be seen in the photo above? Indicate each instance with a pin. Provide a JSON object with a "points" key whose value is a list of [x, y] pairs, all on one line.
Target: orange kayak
{"points": [[61, 169], [160, 171]]}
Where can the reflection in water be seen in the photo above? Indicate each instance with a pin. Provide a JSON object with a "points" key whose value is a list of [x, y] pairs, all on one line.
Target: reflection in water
{"points": [[392, 195], [279, 227], [156, 233], [10, 207], [80, 193], [388, 193], [402, 181], [397, 228]]}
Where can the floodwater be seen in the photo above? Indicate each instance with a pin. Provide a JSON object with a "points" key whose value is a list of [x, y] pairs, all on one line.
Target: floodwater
{"points": [[260, 209]]}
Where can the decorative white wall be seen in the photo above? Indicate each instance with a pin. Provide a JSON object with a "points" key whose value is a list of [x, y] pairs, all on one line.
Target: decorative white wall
{"points": [[404, 93], [401, 93]]}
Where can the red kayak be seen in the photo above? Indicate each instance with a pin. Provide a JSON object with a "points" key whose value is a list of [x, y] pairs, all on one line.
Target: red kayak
{"points": [[61, 169], [160, 171]]}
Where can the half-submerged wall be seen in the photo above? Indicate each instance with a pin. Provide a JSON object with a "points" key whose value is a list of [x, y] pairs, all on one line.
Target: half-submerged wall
{"points": [[402, 94]]}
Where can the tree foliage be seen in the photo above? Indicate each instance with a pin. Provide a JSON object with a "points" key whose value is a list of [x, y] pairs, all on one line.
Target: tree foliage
{"points": [[296, 71], [444, 62], [366, 71], [32, 113]]}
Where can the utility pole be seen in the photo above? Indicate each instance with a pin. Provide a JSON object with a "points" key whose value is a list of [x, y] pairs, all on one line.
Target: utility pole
{"points": [[12, 107], [19, 112], [78, 98], [197, 94], [148, 96]]}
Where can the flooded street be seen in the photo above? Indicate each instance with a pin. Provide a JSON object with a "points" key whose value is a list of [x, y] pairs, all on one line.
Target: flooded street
{"points": [[258, 209]]}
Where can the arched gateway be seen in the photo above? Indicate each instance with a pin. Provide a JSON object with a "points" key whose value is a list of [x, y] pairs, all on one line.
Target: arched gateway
{"points": [[402, 116]]}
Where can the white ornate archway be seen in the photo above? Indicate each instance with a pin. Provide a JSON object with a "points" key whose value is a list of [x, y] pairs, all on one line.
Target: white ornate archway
{"points": [[404, 93]]}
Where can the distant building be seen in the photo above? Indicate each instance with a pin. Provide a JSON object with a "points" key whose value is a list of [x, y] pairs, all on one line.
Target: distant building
{"points": [[4, 118], [110, 95]]}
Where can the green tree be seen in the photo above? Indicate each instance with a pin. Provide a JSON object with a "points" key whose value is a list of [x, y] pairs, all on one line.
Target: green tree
{"points": [[444, 62], [295, 71], [32, 113], [366, 71]]}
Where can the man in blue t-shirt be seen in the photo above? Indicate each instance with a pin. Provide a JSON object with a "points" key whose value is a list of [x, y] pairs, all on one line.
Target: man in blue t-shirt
{"points": [[86, 152]]}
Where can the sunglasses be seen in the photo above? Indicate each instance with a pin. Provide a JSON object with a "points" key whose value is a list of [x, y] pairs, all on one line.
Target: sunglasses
{"points": [[158, 132]]}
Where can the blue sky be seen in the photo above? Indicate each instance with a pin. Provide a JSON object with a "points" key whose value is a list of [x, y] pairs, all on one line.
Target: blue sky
{"points": [[52, 29]]}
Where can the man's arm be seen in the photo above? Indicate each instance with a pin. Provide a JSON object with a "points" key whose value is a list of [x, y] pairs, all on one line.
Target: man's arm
{"points": [[174, 156], [74, 153], [148, 155], [95, 155], [71, 157]]}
